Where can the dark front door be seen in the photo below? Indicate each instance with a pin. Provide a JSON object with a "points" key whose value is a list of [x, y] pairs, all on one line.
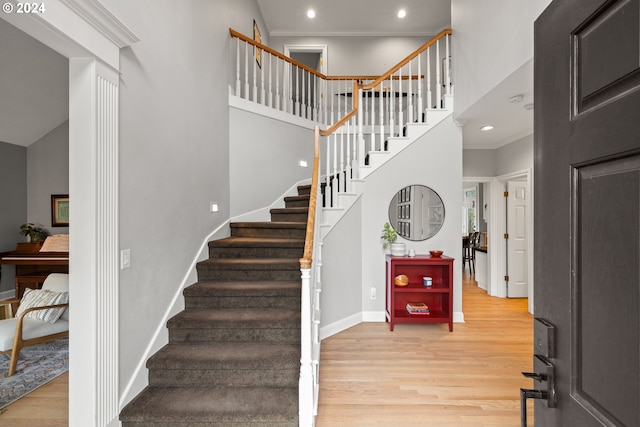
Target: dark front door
{"points": [[587, 208]]}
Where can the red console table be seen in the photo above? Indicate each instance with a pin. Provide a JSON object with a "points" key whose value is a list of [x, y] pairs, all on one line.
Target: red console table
{"points": [[438, 297]]}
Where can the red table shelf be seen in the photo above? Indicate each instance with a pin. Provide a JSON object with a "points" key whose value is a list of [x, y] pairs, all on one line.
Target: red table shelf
{"points": [[438, 297]]}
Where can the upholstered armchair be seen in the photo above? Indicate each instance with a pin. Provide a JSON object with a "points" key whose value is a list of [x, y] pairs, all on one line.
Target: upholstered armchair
{"points": [[42, 315]]}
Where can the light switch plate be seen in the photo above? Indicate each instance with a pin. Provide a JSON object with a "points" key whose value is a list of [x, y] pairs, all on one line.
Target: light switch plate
{"points": [[125, 259]]}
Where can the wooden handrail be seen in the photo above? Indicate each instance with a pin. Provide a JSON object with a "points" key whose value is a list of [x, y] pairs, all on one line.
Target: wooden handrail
{"points": [[405, 61], [305, 261], [273, 52]]}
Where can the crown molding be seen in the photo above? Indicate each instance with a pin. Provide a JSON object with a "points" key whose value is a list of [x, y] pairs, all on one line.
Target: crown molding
{"points": [[102, 20]]}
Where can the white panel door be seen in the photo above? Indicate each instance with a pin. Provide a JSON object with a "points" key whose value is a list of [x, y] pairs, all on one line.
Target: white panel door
{"points": [[517, 265]]}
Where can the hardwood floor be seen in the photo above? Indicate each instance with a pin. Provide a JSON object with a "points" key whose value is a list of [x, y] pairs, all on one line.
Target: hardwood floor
{"points": [[417, 375], [47, 406], [423, 375]]}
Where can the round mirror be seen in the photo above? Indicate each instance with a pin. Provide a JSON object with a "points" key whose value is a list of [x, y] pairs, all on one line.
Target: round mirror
{"points": [[416, 212]]}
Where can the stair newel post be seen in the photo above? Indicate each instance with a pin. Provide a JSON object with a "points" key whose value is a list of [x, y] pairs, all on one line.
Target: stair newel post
{"points": [[419, 83], [306, 386], [429, 94], [438, 77]]}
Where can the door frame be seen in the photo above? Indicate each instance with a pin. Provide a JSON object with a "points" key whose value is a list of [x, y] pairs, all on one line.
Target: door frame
{"points": [[527, 175], [496, 209], [94, 60]]}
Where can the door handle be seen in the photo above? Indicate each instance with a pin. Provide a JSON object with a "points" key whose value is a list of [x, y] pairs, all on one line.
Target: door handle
{"points": [[544, 386]]}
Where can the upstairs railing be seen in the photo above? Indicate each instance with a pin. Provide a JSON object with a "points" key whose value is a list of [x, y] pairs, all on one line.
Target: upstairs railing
{"points": [[364, 112]]}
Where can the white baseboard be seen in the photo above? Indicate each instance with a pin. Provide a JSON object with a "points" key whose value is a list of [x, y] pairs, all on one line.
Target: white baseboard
{"points": [[458, 317]]}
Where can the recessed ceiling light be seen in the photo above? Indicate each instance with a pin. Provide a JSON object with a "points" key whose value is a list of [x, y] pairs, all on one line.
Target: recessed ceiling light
{"points": [[486, 128], [311, 13], [402, 13]]}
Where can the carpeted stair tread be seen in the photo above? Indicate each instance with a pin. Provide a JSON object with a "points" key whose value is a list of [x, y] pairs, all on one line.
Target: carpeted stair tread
{"points": [[290, 210], [271, 224], [236, 318], [297, 201], [304, 189], [216, 405], [208, 288], [251, 263], [257, 242], [227, 355]]}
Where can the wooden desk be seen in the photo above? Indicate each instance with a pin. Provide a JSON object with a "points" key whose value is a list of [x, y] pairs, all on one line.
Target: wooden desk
{"points": [[33, 267]]}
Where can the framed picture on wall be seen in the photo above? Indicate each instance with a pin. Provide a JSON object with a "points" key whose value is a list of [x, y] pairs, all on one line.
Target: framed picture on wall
{"points": [[258, 38], [59, 210]]}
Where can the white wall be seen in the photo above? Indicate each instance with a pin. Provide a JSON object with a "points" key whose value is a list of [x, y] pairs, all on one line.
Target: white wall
{"points": [[357, 55], [435, 160], [263, 159], [481, 31], [13, 209], [515, 157], [174, 155], [47, 174], [341, 296]]}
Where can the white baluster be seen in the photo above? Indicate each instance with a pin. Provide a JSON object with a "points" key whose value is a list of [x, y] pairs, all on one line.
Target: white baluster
{"points": [[400, 103], [347, 153], [381, 112], [419, 82], [254, 97], [438, 77], [410, 94], [360, 142], [277, 95], [333, 96], [429, 93], [246, 70], [269, 98], [297, 90], [372, 96], [238, 85], [303, 93], [341, 167], [262, 85], [447, 67], [392, 107], [291, 99]]}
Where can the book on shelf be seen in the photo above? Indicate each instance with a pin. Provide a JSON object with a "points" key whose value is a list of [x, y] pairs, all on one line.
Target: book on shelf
{"points": [[417, 308]]}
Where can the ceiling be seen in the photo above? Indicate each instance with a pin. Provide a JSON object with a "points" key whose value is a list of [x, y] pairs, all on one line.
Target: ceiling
{"points": [[32, 106], [355, 17], [424, 18], [34, 87]]}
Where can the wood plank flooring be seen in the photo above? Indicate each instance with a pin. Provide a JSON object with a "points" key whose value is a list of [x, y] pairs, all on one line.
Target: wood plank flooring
{"points": [[417, 375], [423, 375]]}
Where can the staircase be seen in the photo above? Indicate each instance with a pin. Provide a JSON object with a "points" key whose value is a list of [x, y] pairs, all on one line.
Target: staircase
{"points": [[233, 357]]}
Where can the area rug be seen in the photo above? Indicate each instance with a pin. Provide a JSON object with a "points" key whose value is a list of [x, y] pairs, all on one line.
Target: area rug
{"points": [[38, 364]]}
